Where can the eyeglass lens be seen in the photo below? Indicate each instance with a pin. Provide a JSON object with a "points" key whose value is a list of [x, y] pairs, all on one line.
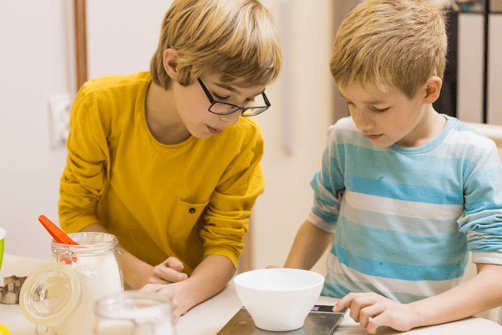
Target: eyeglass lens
{"points": [[221, 108], [252, 107]]}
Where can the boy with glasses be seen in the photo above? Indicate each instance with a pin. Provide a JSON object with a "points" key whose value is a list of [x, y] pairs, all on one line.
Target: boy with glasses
{"points": [[404, 193], [169, 160]]}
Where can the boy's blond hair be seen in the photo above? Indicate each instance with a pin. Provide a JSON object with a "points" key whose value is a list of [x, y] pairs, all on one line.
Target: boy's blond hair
{"points": [[399, 43], [235, 39]]}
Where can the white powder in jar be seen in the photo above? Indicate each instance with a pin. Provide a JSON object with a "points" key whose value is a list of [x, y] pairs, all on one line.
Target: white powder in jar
{"points": [[112, 327], [99, 275]]}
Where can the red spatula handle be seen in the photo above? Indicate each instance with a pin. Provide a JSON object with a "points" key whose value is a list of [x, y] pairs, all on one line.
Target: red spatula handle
{"points": [[58, 235]]}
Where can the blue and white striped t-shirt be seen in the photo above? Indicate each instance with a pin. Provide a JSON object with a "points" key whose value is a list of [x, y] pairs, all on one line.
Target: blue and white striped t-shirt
{"points": [[405, 218]]}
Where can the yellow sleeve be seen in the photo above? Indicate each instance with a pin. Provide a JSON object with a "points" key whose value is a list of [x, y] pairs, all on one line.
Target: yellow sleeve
{"points": [[85, 176], [227, 214]]}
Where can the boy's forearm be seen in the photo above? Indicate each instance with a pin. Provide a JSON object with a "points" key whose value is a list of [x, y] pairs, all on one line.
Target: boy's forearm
{"points": [[479, 294], [309, 245], [208, 278]]}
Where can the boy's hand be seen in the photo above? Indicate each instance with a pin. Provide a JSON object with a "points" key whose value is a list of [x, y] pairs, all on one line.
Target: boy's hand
{"points": [[166, 272], [177, 292], [163, 279], [372, 310], [208, 278]]}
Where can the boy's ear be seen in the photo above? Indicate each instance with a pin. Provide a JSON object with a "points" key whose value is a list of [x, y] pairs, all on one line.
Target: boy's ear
{"points": [[432, 89], [170, 58]]}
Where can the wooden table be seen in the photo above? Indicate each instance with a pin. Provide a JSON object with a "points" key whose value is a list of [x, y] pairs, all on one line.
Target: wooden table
{"points": [[210, 316]]}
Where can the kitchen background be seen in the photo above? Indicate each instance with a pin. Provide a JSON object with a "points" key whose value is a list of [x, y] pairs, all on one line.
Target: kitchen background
{"points": [[37, 81]]}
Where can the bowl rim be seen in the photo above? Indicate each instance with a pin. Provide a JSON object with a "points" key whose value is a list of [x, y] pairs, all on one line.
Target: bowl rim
{"points": [[238, 277]]}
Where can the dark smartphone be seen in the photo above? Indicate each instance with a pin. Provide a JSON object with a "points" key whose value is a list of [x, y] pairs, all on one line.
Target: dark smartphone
{"points": [[324, 308]]}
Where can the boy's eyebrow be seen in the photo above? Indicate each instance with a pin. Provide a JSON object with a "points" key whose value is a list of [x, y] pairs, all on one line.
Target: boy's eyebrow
{"points": [[227, 87], [373, 102]]}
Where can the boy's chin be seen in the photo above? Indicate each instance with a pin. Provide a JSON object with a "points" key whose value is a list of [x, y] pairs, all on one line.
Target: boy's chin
{"points": [[201, 135], [382, 142]]}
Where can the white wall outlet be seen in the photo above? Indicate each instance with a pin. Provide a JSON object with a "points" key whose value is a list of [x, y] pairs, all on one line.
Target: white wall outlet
{"points": [[60, 107]]}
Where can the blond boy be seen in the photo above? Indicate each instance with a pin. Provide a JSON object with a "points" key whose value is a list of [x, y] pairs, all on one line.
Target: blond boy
{"points": [[404, 193], [169, 160]]}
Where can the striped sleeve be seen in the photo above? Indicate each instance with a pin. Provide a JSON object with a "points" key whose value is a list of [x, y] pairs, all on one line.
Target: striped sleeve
{"points": [[482, 219], [328, 186]]}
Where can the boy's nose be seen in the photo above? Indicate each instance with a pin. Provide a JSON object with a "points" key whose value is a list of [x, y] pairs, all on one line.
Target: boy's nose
{"points": [[362, 121], [231, 118]]}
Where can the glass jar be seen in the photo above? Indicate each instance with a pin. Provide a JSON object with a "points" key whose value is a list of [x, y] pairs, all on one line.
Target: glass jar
{"points": [[61, 295], [133, 313]]}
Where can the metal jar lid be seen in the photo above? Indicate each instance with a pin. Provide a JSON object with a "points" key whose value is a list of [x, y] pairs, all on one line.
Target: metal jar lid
{"points": [[50, 294]]}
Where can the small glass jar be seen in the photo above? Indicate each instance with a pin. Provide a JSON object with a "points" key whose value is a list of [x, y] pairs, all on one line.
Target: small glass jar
{"points": [[133, 313], [61, 295]]}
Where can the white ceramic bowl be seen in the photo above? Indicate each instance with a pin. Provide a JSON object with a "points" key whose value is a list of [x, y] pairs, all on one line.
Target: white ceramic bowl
{"points": [[279, 299]]}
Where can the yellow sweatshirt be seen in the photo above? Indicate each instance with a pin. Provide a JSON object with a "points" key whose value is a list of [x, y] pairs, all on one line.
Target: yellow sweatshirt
{"points": [[187, 200]]}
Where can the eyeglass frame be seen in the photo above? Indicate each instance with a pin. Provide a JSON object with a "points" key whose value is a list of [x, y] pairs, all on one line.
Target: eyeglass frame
{"points": [[237, 108]]}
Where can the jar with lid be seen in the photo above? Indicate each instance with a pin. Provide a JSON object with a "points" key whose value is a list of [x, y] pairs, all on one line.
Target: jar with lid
{"points": [[133, 313], [61, 295]]}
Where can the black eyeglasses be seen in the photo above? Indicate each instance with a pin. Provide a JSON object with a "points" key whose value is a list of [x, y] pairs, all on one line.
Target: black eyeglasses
{"points": [[224, 108]]}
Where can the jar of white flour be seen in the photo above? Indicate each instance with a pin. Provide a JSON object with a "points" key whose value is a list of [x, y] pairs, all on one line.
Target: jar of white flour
{"points": [[134, 313], [61, 295]]}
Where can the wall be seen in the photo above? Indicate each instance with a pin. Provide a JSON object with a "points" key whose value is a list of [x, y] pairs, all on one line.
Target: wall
{"points": [[33, 67], [283, 207], [470, 85], [470, 68], [495, 66], [37, 63], [123, 35]]}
